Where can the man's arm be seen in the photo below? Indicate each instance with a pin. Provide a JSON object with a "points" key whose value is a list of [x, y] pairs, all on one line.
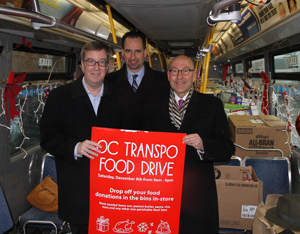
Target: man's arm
{"points": [[220, 147]]}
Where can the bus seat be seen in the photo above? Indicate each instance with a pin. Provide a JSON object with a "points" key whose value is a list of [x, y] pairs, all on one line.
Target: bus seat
{"points": [[5, 216], [274, 172], [234, 161], [40, 219]]}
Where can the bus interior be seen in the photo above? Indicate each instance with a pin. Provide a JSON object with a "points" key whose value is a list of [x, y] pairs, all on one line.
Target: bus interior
{"points": [[248, 49]]}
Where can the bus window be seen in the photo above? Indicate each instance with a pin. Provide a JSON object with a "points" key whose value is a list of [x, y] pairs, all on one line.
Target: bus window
{"points": [[286, 98], [258, 65], [39, 65], [239, 68], [287, 63], [24, 129]]}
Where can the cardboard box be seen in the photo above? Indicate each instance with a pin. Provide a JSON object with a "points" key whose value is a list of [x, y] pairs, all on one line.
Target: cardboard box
{"points": [[238, 199], [263, 132]]}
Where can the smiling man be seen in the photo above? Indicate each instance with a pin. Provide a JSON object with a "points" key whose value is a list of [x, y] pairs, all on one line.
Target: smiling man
{"points": [[70, 113], [135, 82], [203, 119]]}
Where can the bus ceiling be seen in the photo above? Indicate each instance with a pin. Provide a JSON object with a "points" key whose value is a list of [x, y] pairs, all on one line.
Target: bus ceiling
{"points": [[175, 25], [184, 26], [179, 26], [169, 24]]}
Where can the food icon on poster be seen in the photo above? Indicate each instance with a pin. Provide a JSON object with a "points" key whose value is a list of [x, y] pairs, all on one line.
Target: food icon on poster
{"points": [[163, 228], [143, 227], [102, 224], [124, 227]]}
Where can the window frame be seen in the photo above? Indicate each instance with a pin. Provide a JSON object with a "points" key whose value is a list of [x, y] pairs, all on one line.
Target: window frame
{"points": [[54, 76], [234, 70], [283, 75], [247, 61]]}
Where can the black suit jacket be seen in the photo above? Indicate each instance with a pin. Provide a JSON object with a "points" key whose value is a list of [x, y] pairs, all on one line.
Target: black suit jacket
{"points": [[154, 83], [205, 116], [67, 119]]}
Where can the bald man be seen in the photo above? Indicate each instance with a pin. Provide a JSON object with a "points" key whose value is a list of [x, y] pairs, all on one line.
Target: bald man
{"points": [[203, 119]]}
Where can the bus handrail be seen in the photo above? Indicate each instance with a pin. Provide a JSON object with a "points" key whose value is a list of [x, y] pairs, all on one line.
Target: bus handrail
{"points": [[52, 22]]}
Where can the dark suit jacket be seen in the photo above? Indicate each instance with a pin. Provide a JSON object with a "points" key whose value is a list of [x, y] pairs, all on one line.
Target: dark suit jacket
{"points": [[67, 119], [205, 116], [153, 83]]}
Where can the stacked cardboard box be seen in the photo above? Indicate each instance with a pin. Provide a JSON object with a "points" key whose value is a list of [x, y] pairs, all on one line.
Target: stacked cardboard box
{"points": [[239, 193], [262, 132]]}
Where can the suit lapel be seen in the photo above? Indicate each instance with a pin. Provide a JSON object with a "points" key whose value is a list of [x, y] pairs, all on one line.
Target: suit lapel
{"points": [[164, 115], [79, 91], [122, 76], [193, 108], [124, 88], [146, 85], [165, 110]]}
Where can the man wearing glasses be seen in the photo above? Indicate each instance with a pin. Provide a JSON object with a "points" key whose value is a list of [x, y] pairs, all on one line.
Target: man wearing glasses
{"points": [[70, 113], [203, 119], [136, 82]]}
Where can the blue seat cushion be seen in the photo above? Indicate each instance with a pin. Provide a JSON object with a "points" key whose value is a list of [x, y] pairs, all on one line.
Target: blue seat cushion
{"points": [[6, 222]]}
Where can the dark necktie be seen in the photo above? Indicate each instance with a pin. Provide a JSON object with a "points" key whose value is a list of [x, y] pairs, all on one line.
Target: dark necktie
{"points": [[134, 84]]}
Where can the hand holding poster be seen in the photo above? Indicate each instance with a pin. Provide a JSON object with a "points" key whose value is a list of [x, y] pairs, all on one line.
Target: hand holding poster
{"points": [[136, 182]]}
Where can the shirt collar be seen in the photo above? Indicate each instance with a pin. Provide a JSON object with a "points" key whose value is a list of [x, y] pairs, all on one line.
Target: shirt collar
{"points": [[140, 73], [177, 98], [89, 92]]}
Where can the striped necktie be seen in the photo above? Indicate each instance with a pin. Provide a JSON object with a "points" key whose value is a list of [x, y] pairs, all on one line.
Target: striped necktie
{"points": [[176, 111], [134, 84]]}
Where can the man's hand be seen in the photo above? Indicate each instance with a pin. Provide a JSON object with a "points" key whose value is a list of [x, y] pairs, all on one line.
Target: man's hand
{"points": [[194, 140], [89, 149]]}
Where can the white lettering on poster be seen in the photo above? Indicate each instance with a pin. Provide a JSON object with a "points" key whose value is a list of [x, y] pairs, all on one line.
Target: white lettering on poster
{"points": [[156, 168], [153, 151], [132, 195]]}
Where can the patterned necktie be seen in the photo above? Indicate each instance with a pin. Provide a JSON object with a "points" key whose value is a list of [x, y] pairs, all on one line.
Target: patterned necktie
{"points": [[134, 84], [180, 103]]}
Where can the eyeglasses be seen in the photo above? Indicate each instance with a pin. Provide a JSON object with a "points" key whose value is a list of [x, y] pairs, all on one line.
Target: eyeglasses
{"points": [[92, 62], [184, 71]]}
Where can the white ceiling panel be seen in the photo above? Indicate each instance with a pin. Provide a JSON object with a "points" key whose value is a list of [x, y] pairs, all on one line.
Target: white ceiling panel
{"points": [[166, 20]]}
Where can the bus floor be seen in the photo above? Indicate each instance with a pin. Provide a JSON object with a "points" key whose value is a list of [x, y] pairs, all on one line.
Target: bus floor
{"points": [[33, 230], [47, 231]]}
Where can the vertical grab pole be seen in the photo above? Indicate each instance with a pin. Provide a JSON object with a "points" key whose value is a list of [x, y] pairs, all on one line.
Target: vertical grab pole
{"points": [[113, 33], [196, 69], [196, 66], [207, 60], [161, 64], [203, 74], [148, 51], [166, 61]]}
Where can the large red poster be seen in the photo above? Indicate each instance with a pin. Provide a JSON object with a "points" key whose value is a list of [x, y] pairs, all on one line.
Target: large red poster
{"points": [[136, 182]]}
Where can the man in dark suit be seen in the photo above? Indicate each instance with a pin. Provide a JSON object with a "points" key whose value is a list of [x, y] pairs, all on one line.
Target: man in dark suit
{"points": [[135, 82], [203, 118], [70, 112]]}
